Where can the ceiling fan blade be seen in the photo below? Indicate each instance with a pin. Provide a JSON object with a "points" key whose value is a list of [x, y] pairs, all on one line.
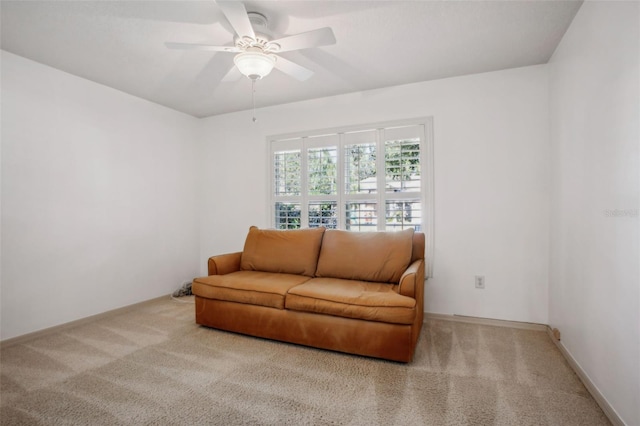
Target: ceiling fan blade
{"points": [[196, 46], [296, 71], [315, 38], [236, 14], [234, 74]]}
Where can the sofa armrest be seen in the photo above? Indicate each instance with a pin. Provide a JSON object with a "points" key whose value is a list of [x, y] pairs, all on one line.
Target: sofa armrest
{"points": [[224, 263], [411, 279]]}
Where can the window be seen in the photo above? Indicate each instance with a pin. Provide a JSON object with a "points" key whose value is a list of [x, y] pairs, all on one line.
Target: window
{"points": [[359, 179], [365, 178]]}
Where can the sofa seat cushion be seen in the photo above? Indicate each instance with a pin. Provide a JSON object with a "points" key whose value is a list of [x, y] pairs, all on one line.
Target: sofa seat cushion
{"points": [[352, 299], [250, 287]]}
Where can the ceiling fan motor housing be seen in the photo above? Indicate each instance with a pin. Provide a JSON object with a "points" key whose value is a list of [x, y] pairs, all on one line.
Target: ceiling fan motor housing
{"points": [[263, 35], [258, 20]]}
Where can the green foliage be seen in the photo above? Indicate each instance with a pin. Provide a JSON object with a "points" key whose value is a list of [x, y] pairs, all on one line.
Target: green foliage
{"points": [[287, 216], [321, 163], [402, 160], [323, 214], [360, 164], [287, 173]]}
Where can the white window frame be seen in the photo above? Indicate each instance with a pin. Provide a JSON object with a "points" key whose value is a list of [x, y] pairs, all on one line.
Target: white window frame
{"points": [[336, 137]]}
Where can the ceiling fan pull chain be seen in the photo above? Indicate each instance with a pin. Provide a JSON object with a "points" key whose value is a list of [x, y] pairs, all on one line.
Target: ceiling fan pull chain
{"points": [[253, 98]]}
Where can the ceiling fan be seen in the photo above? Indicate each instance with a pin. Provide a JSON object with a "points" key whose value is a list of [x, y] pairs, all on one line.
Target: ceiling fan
{"points": [[255, 49]]}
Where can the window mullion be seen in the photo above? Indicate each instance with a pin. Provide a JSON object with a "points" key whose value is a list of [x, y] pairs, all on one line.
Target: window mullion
{"points": [[272, 183], [340, 209], [427, 176], [304, 184], [381, 179]]}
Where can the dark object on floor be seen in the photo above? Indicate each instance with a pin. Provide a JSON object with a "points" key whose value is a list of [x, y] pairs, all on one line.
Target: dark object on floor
{"points": [[185, 290]]}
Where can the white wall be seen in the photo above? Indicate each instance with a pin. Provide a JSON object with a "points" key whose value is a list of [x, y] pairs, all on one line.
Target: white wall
{"points": [[104, 194], [594, 295], [491, 181], [98, 198]]}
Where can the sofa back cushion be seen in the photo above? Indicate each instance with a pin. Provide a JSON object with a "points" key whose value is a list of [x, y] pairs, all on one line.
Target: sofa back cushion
{"points": [[283, 251], [366, 256]]}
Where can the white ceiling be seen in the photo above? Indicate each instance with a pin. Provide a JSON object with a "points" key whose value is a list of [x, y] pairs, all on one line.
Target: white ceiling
{"points": [[379, 44]]}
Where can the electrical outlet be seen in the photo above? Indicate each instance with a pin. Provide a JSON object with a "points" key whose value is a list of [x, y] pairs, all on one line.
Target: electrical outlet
{"points": [[479, 281]]}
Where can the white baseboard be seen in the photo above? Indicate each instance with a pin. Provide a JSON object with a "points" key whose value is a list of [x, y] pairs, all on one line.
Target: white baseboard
{"points": [[608, 410], [487, 321], [57, 328]]}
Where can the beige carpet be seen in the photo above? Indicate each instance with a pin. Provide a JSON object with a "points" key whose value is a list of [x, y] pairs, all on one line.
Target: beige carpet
{"points": [[154, 366]]}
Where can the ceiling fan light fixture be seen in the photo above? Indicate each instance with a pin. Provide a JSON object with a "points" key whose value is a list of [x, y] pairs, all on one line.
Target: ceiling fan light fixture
{"points": [[254, 65]]}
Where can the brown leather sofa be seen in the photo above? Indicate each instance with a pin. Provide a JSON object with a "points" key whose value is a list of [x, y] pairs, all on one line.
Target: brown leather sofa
{"points": [[360, 293]]}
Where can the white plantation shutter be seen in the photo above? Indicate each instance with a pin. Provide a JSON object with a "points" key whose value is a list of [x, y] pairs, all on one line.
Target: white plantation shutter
{"points": [[362, 178], [403, 177]]}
